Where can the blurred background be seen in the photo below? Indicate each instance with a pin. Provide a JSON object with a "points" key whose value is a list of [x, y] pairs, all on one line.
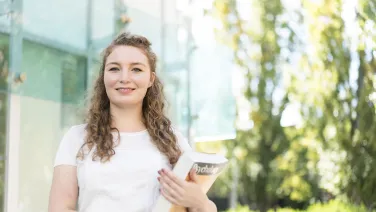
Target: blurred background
{"points": [[285, 89]]}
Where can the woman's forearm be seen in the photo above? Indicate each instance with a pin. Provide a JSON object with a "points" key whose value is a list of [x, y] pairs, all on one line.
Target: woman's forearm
{"points": [[209, 206], [65, 210]]}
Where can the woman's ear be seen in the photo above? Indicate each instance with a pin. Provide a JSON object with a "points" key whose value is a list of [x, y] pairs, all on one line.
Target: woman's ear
{"points": [[152, 79]]}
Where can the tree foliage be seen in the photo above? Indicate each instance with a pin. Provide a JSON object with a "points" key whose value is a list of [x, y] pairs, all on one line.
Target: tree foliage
{"points": [[263, 150], [320, 57]]}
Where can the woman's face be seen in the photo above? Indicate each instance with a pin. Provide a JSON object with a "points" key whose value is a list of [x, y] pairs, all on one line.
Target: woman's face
{"points": [[127, 76]]}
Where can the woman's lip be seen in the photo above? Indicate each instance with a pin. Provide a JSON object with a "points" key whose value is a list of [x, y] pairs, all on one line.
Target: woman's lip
{"points": [[125, 90]]}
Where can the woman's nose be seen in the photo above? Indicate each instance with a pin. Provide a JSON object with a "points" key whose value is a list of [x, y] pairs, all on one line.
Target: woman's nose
{"points": [[124, 75]]}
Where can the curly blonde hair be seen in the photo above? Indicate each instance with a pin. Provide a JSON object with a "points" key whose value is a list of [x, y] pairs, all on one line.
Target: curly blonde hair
{"points": [[98, 128]]}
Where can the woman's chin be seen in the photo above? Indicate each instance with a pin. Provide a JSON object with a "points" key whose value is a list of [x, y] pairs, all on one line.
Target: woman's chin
{"points": [[125, 103]]}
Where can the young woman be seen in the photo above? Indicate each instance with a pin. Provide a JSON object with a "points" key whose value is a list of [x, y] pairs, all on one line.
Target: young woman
{"points": [[121, 159]]}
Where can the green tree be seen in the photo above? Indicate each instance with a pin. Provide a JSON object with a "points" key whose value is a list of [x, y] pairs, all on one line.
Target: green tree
{"points": [[339, 98], [263, 150], [336, 97]]}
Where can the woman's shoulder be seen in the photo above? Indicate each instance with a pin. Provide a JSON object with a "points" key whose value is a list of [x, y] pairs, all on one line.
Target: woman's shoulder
{"points": [[77, 130], [75, 135], [181, 140], [70, 144], [178, 133]]}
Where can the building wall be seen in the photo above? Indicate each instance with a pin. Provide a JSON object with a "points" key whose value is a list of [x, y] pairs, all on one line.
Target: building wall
{"points": [[54, 59], [62, 21], [55, 43], [45, 116]]}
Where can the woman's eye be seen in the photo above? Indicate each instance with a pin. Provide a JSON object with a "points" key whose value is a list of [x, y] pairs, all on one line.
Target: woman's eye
{"points": [[114, 69], [137, 70]]}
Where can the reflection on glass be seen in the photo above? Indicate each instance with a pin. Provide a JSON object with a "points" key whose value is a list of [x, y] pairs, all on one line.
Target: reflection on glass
{"points": [[73, 90], [3, 117], [4, 52], [62, 22]]}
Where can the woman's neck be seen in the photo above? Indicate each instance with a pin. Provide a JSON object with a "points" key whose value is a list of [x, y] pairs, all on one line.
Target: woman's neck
{"points": [[127, 119]]}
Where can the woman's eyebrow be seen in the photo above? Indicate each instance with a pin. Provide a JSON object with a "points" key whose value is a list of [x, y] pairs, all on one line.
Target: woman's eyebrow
{"points": [[137, 63], [132, 64], [112, 63]]}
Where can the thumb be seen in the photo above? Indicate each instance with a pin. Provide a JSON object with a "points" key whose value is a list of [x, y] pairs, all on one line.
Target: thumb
{"points": [[193, 175]]}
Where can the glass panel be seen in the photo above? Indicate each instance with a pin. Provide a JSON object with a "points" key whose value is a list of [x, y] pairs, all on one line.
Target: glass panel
{"points": [[212, 100], [50, 98], [172, 49], [4, 14], [53, 94], [3, 119], [153, 29], [59, 21], [170, 89], [103, 23], [73, 91], [177, 97], [93, 73], [4, 56]]}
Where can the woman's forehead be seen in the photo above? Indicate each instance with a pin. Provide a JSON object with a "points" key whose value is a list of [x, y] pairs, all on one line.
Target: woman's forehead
{"points": [[127, 55]]}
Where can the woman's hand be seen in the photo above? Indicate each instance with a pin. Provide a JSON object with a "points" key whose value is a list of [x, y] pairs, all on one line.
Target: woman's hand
{"points": [[183, 193]]}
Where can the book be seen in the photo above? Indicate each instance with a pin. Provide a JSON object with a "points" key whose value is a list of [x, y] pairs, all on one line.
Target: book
{"points": [[208, 167]]}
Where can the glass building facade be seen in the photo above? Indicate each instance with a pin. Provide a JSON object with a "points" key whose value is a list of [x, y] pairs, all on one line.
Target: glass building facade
{"points": [[49, 56]]}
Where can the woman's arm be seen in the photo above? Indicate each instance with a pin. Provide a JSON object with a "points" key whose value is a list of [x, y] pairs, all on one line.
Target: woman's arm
{"points": [[209, 206], [212, 206], [64, 189]]}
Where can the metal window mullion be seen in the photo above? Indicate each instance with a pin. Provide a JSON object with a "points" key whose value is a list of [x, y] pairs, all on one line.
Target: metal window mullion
{"points": [[11, 191]]}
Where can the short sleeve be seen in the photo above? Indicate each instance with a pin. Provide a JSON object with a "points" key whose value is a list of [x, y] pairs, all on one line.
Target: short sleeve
{"points": [[182, 141], [69, 146]]}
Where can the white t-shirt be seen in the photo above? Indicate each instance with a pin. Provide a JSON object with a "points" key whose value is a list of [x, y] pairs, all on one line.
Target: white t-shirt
{"points": [[127, 183]]}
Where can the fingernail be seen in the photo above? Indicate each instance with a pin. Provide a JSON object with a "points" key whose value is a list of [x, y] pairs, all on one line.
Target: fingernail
{"points": [[159, 171]]}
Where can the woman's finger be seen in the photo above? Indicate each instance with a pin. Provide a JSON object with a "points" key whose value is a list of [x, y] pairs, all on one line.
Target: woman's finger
{"points": [[173, 177], [193, 175], [169, 197], [165, 186], [171, 184]]}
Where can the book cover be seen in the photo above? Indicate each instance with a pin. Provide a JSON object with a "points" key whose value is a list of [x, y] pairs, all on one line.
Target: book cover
{"points": [[208, 167]]}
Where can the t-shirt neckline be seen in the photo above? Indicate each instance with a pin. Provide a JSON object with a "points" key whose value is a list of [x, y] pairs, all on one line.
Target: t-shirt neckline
{"points": [[132, 133]]}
